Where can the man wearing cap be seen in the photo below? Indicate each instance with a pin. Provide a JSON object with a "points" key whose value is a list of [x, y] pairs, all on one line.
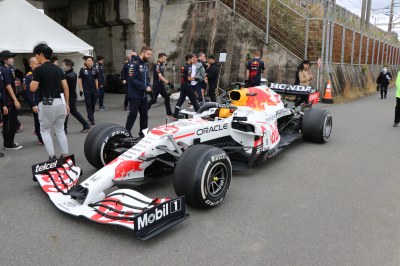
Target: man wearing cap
{"points": [[88, 83], [10, 101], [33, 98], [54, 107], [212, 77], [99, 67]]}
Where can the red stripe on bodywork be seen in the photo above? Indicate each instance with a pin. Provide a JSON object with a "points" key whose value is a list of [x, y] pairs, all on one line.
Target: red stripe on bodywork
{"points": [[184, 136]]}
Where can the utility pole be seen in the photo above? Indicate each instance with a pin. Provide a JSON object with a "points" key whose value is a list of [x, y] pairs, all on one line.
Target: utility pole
{"points": [[391, 16], [368, 16], [363, 7]]}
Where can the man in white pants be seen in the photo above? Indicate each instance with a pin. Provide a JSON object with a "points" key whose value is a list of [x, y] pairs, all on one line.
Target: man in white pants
{"points": [[54, 107]]}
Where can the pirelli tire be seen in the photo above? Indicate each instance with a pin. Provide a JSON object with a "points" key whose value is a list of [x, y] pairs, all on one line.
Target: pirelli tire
{"points": [[100, 142], [203, 174], [317, 125]]}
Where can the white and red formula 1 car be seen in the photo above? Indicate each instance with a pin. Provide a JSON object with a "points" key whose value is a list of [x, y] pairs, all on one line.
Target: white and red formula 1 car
{"points": [[200, 151]]}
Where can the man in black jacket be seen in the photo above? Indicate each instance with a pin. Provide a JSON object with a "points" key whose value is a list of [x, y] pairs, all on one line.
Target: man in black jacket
{"points": [[71, 77], [138, 85], [383, 81], [212, 76], [33, 98]]}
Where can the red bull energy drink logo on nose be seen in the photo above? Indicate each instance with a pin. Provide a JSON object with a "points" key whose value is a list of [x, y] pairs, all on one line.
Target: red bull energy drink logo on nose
{"points": [[124, 167]]}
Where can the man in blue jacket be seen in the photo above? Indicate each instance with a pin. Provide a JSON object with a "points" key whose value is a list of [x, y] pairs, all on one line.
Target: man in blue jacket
{"points": [[138, 85], [99, 67]]}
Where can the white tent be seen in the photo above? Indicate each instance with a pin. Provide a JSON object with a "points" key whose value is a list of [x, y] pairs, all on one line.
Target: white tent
{"points": [[27, 26]]}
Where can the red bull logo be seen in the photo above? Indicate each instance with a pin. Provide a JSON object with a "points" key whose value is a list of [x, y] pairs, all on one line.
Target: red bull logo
{"points": [[261, 98], [124, 167]]}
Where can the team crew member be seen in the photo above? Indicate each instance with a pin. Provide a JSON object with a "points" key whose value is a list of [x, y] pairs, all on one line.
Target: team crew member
{"points": [[71, 78], [186, 88], [383, 81], [397, 109], [99, 68], [88, 86], [158, 84], [50, 80], [10, 101], [212, 77], [124, 74], [1, 103], [33, 98], [255, 67], [138, 85]]}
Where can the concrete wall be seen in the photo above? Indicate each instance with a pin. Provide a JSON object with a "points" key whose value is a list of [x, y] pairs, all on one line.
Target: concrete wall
{"points": [[212, 29], [110, 26]]}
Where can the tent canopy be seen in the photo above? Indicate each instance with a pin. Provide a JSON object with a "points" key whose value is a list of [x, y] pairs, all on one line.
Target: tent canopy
{"points": [[29, 26]]}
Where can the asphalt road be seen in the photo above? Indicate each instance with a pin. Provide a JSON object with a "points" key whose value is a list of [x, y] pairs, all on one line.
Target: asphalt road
{"points": [[331, 204]]}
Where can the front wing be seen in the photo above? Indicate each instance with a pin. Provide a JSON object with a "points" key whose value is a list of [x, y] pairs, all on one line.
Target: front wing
{"points": [[124, 207]]}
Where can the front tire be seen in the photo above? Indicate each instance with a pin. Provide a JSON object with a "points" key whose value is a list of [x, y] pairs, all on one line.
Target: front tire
{"points": [[101, 141], [317, 125], [203, 174]]}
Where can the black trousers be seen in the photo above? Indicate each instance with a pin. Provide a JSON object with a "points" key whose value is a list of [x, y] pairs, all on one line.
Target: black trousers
{"points": [[9, 126], [137, 106], [211, 93], [90, 100], [161, 90], [37, 126], [186, 90], [101, 96], [383, 91], [74, 112], [397, 111], [126, 98]]}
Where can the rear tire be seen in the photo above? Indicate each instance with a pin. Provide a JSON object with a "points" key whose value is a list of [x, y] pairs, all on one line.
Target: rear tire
{"points": [[99, 142], [203, 175], [317, 125]]}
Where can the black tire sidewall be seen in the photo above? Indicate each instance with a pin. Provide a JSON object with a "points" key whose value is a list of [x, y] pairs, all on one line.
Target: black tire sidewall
{"points": [[97, 141], [112, 133], [192, 171], [89, 145], [313, 125]]}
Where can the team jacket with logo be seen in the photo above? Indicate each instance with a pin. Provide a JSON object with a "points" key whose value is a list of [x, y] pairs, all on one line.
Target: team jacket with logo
{"points": [[138, 79], [88, 76], [158, 69]]}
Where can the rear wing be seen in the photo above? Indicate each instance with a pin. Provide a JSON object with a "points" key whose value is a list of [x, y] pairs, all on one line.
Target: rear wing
{"points": [[313, 94]]}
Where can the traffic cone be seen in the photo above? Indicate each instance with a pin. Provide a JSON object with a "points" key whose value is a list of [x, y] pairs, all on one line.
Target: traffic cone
{"points": [[328, 94]]}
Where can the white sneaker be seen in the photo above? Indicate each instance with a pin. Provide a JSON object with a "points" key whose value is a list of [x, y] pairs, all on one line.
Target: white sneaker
{"points": [[14, 147]]}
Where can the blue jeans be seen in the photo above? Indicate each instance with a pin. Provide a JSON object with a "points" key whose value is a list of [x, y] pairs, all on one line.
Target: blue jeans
{"points": [[197, 89]]}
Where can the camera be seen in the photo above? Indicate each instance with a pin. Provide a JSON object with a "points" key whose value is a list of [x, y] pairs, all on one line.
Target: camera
{"points": [[47, 101]]}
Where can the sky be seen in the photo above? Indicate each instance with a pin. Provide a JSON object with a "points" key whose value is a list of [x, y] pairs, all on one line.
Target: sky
{"points": [[377, 16]]}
